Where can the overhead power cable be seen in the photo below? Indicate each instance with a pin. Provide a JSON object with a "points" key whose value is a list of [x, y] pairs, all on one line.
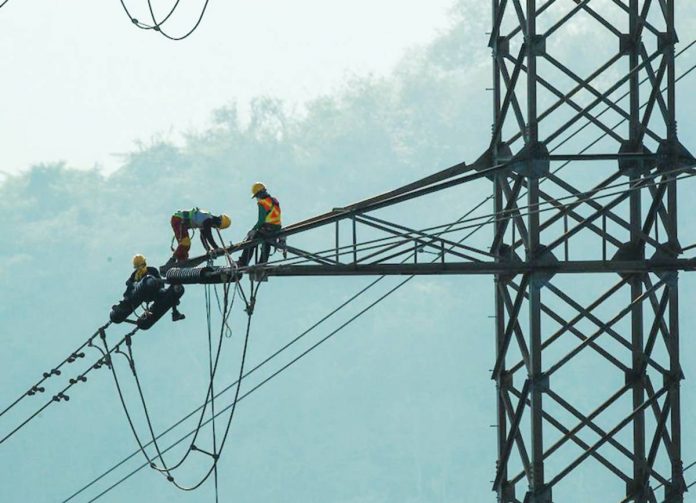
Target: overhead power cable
{"points": [[167, 470], [266, 380], [55, 371], [61, 395], [229, 387], [158, 25], [210, 396]]}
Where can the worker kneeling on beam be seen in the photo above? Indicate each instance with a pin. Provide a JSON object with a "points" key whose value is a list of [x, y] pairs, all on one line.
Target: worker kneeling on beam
{"points": [[267, 225], [204, 221], [145, 285]]}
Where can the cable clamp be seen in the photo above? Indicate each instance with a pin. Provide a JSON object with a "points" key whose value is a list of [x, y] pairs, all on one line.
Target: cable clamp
{"points": [[250, 307], [79, 378]]}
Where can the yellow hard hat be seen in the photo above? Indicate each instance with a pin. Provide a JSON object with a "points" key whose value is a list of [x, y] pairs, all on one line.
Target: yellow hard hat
{"points": [[256, 188], [225, 221], [139, 261]]}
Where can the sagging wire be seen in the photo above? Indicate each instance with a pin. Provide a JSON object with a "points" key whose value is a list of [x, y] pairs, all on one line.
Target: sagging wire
{"points": [[166, 470], [157, 25]]}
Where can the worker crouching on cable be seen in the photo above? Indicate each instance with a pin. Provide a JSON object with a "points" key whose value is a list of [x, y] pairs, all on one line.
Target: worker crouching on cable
{"points": [[204, 221], [267, 225], [144, 285]]}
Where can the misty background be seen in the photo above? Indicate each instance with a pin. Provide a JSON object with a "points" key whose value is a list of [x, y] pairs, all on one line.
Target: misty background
{"points": [[398, 406]]}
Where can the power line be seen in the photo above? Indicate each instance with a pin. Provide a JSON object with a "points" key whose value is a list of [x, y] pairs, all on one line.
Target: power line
{"points": [[272, 376], [216, 454], [226, 389], [61, 396], [157, 25], [75, 355]]}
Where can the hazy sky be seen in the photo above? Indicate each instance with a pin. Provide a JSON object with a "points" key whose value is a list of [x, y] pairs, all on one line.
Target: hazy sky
{"points": [[80, 83]]}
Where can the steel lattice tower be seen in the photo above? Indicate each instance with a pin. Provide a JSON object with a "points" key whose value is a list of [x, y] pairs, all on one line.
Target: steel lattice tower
{"points": [[632, 225]]}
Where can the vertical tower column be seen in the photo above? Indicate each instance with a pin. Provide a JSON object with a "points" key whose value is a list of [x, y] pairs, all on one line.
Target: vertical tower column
{"points": [[538, 493], [674, 491], [636, 378], [504, 493]]}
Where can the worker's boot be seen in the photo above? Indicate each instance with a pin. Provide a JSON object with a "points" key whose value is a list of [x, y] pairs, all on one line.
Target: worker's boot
{"points": [[176, 315]]}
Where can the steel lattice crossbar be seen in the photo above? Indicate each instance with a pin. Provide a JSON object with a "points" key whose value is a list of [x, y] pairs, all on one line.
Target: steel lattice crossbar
{"points": [[586, 259]]}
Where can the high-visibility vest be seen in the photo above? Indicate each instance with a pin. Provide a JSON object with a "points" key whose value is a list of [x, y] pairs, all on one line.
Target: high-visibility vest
{"points": [[272, 207]]}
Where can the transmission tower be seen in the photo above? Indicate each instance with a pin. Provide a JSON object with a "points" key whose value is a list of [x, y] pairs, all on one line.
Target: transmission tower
{"points": [[586, 276], [642, 224]]}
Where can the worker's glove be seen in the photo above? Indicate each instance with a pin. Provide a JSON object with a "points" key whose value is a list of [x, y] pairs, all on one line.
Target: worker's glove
{"points": [[250, 235], [214, 252]]}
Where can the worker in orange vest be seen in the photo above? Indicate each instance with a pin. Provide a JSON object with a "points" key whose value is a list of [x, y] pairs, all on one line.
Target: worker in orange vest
{"points": [[267, 225]]}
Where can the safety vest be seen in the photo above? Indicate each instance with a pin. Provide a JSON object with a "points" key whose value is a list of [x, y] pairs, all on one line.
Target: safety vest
{"points": [[194, 218], [272, 207]]}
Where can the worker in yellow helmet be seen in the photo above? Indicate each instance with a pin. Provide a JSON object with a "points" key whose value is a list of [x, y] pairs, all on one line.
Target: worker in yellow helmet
{"points": [[195, 218], [267, 225], [144, 284]]}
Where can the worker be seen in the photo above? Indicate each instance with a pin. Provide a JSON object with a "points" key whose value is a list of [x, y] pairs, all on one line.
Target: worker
{"points": [[267, 225], [144, 285], [204, 221]]}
